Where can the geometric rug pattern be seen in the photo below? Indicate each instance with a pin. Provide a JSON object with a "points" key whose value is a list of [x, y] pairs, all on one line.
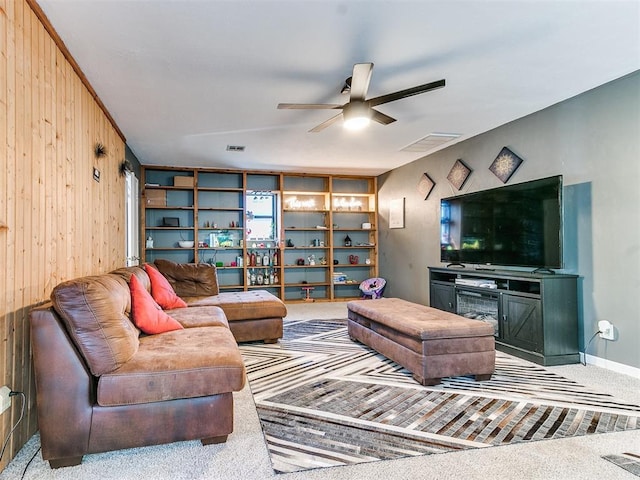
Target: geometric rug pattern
{"points": [[326, 401], [627, 461]]}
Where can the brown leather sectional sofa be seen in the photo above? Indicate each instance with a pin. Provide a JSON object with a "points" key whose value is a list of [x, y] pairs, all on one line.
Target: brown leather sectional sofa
{"points": [[101, 385], [252, 315]]}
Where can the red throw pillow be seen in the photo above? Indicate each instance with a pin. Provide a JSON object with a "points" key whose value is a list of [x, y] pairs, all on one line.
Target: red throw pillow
{"points": [[146, 313], [162, 291]]}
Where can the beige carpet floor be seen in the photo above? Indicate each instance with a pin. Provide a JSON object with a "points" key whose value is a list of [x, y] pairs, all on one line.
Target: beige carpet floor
{"points": [[245, 455]]}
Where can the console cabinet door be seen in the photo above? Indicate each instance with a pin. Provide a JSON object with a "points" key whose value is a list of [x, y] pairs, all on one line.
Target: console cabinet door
{"points": [[522, 322], [443, 297]]}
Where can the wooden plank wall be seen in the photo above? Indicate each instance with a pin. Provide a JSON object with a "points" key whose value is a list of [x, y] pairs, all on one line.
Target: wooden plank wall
{"points": [[56, 222]]}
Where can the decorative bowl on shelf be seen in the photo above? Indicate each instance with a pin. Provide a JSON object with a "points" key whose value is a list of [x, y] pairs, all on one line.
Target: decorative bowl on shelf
{"points": [[186, 243]]}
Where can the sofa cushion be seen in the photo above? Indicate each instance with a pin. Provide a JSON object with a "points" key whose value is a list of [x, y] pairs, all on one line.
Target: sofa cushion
{"points": [[190, 279], [199, 317], [250, 305], [146, 313], [208, 363], [162, 291], [94, 310]]}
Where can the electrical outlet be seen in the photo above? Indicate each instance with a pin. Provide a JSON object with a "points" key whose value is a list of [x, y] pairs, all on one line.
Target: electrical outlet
{"points": [[606, 330], [5, 399]]}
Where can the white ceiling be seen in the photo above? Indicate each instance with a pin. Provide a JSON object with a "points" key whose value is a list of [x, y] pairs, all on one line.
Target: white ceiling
{"points": [[184, 79]]}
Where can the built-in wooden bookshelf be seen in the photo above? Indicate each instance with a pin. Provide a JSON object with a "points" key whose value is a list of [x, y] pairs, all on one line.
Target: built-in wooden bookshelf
{"points": [[324, 239]]}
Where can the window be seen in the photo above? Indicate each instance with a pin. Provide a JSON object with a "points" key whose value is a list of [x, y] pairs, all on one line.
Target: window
{"points": [[262, 216], [132, 246]]}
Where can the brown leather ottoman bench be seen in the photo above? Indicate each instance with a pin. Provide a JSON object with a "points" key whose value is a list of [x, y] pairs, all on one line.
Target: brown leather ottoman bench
{"points": [[428, 342]]}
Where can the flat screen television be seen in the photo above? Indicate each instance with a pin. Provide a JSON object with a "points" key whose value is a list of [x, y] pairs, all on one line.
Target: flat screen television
{"points": [[516, 225]]}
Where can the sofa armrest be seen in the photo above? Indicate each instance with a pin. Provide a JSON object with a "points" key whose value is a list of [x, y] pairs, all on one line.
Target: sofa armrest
{"points": [[64, 388]]}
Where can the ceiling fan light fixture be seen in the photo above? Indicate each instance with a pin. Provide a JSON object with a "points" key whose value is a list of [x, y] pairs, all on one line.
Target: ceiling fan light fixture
{"points": [[359, 111], [356, 123], [356, 116]]}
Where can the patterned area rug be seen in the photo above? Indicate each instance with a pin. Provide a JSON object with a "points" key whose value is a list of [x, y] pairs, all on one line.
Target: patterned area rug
{"points": [[628, 461], [325, 401]]}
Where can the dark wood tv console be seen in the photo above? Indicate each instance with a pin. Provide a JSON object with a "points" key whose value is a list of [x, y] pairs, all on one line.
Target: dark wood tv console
{"points": [[535, 315]]}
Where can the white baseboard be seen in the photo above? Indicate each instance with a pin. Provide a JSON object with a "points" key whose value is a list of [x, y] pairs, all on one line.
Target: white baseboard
{"points": [[610, 365]]}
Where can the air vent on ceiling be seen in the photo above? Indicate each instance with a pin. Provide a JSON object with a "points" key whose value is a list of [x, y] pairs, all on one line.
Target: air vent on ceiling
{"points": [[430, 141], [235, 148]]}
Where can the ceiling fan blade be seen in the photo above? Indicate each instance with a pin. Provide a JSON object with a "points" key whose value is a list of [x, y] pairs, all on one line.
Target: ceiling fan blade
{"points": [[309, 106], [326, 123], [409, 92], [380, 117], [360, 81]]}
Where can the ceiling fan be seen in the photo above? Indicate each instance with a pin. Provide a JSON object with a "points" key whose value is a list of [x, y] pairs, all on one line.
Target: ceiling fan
{"points": [[358, 111]]}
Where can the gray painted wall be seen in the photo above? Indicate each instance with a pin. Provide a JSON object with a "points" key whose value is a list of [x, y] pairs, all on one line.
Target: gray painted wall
{"points": [[135, 163], [593, 140]]}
